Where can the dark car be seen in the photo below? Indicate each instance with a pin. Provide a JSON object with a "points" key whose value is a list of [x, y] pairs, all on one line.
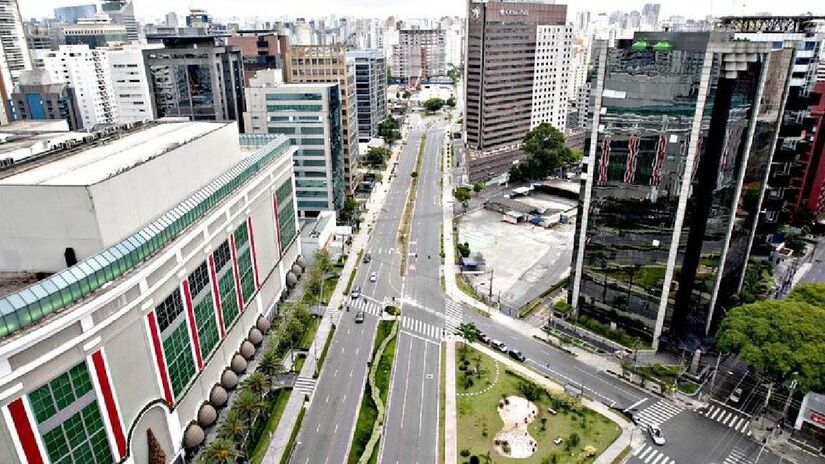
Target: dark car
{"points": [[359, 317], [517, 355], [367, 258], [483, 338]]}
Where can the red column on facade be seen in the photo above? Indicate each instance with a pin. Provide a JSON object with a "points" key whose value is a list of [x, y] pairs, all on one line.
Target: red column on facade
{"points": [[112, 412], [161, 363], [213, 276], [25, 432], [253, 254], [193, 326]]}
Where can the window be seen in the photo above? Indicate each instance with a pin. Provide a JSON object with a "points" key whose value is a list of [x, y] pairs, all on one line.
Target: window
{"points": [[176, 343], [229, 301], [198, 280], [293, 96], [293, 107], [69, 420], [204, 309], [222, 256]]}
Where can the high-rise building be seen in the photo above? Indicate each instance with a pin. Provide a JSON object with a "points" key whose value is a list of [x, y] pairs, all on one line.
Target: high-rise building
{"points": [[790, 168], [315, 64], [683, 126], [454, 44], [168, 247], [129, 81], [95, 32], [36, 97], [198, 18], [419, 54], [89, 74], [122, 12], [195, 77], [170, 19], [813, 192], [70, 14], [370, 91], [650, 15], [14, 54], [261, 49], [310, 115], [502, 73]]}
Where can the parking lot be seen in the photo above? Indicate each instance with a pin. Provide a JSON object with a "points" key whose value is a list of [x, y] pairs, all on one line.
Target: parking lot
{"points": [[525, 259]]}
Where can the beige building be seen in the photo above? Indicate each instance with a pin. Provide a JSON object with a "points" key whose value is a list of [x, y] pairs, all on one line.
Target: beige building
{"points": [[329, 63]]}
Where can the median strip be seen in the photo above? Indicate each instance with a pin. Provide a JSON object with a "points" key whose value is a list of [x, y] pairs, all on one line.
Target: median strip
{"points": [[406, 219]]}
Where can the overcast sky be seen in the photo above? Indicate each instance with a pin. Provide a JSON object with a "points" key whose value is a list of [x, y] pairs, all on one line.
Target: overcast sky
{"points": [[268, 9]]}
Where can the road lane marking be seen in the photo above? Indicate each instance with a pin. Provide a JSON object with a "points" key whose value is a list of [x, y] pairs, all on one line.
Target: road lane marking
{"points": [[635, 404]]}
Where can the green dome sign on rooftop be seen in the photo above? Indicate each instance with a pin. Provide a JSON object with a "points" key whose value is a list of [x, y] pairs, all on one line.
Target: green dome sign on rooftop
{"points": [[640, 44], [663, 45]]}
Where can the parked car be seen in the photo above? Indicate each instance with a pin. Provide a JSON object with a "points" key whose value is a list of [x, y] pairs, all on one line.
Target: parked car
{"points": [[359, 317], [373, 277], [499, 345], [736, 396], [517, 355], [367, 258], [483, 338], [356, 292], [656, 434], [621, 354]]}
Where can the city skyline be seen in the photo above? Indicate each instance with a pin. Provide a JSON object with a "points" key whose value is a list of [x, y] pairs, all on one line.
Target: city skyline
{"points": [[148, 10]]}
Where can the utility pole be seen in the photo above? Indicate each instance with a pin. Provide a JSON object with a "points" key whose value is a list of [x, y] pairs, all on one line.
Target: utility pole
{"points": [[715, 370], [788, 401], [491, 285], [765, 406]]}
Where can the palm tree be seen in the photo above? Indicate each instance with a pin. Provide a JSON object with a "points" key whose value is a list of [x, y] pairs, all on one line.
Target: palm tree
{"points": [[233, 426], [248, 405], [258, 383], [270, 365], [219, 451]]}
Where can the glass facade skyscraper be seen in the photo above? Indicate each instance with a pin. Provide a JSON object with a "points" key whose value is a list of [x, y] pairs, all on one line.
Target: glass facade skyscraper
{"points": [[676, 164]]}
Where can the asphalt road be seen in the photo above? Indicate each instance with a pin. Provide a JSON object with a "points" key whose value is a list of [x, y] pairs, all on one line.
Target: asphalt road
{"points": [[329, 424]]}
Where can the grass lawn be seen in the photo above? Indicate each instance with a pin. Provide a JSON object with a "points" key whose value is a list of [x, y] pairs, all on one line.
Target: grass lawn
{"points": [[479, 421], [324, 353], [462, 284], [368, 412], [279, 403], [309, 333], [299, 363], [329, 288]]}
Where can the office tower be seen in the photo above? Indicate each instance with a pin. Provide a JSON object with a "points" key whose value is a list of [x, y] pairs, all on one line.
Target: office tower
{"points": [[195, 77], [89, 74], [419, 54], [184, 239], [791, 175], [122, 12], [683, 126], [310, 115], [37, 97], [198, 18], [500, 83], [129, 82], [70, 14], [41, 35], [261, 49], [551, 73], [370, 91], [14, 54], [315, 64], [454, 44], [813, 193], [95, 32], [171, 19], [650, 15]]}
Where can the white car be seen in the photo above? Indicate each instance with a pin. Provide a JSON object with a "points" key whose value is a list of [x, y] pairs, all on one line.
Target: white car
{"points": [[499, 345], [373, 277], [736, 395], [656, 434]]}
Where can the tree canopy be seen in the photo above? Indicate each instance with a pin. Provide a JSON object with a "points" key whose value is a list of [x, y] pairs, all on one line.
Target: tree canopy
{"points": [[451, 102], [434, 104], [545, 152], [781, 337], [388, 130], [376, 157]]}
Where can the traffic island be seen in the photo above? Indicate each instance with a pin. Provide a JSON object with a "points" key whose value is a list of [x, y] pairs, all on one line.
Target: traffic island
{"points": [[409, 207], [507, 417]]}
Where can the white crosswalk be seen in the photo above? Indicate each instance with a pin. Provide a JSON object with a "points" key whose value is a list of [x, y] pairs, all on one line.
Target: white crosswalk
{"points": [[453, 315], [738, 422], [658, 413], [649, 454], [369, 307], [737, 456], [422, 328], [305, 385]]}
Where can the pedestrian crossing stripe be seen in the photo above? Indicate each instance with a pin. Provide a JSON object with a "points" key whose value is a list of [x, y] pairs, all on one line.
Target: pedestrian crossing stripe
{"points": [[305, 385], [648, 454], [737, 422], [658, 413], [368, 307], [416, 326], [737, 456]]}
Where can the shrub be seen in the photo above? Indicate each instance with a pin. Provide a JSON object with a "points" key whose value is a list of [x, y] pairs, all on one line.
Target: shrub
{"points": [[464, 453], [474, 459], [530, 391], [393, 310]]}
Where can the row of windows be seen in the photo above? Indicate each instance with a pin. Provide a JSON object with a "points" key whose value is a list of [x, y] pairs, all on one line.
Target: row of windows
{"points": [[293, 107], [293, 96], [311, 130]]}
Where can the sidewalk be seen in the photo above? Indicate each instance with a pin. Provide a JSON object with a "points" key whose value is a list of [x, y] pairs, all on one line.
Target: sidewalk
{"points": [[450, 411], [331, 316]]}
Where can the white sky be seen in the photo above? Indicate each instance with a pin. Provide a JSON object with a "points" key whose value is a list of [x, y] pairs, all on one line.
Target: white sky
{"points": [[272, 9]]}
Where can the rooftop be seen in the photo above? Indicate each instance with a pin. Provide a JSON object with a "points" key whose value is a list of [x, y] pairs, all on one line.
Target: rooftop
{"points": [[22, 139], [105, 157]]}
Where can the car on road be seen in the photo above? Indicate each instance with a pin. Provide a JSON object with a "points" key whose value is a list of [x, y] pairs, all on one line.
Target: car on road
{"points": [[373, 277], [621, 354], [517, 355], [367, 258], [656, 434], [499, 345], [356, 292], [483, 338], [736, 396], [359, 317]]}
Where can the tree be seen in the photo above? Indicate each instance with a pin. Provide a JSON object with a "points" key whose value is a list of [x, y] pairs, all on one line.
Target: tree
{"points": [[530, 391], [470, 333], [451, 102], [406, 94], [462, 194], [258, 383], [463, 249], [220, 451], [376, 157], [794, 240], [247, 404], [322, 260], [434, 104], [270, 364], [388, 130], [780, 337], [156, 453], [233, 426], [454, 74], [349, 210], [478, 186], [545, 152]]}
